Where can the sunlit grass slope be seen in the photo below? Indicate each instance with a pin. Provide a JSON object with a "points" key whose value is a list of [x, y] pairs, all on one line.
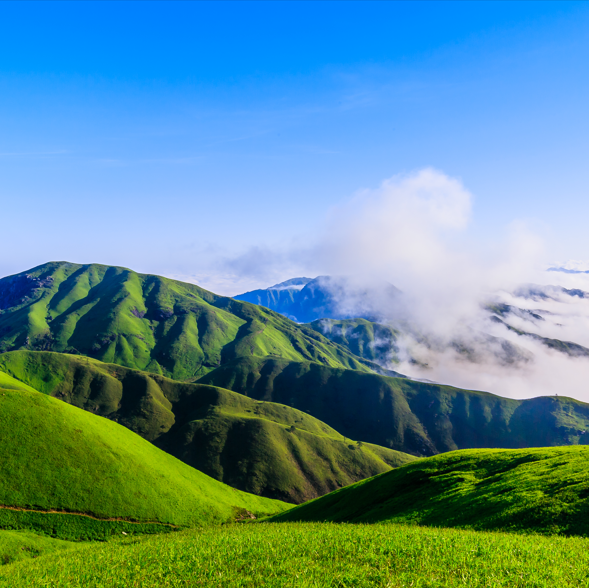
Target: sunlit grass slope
{"points": [[314, 555], [414, 417], [260, 447], [148, 322], [540, 490], [55, 457]]}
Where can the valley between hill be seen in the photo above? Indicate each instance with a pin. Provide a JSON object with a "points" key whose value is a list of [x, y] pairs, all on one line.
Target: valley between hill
{"points": [[264, 448]]}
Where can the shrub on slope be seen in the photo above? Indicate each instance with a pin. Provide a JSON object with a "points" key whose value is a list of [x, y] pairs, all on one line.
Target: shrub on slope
{"points": [[265, 448], [541, 490], [58, 458]]}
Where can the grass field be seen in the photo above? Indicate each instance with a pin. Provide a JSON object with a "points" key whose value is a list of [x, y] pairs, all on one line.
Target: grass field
{"points": [[532, 490], [314, 555]]}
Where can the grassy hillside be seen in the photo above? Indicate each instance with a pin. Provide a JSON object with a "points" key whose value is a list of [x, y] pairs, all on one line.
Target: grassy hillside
{"points": [[148, 322], [72, 474], [534, 490], [413, 417], [260, 447], [314, 555]]}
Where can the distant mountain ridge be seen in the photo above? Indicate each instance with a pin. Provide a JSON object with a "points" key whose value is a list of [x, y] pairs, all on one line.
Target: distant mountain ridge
{"points": [[306, 300], [325, 368]]}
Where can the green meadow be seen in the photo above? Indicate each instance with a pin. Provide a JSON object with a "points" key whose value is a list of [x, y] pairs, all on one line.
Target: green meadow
{"points": [[314, 555], [264, 448]]}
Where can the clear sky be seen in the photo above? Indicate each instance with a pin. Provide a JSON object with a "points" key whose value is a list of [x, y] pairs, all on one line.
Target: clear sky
{"points": [[169, 137]]}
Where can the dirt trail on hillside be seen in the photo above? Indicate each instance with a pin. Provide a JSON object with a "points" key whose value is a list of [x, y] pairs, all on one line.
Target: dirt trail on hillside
{"points": [[84, 514]]}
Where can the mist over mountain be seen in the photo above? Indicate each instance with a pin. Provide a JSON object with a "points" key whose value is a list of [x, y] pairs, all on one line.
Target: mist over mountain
{"points": [[511, 336], [571, 267]]}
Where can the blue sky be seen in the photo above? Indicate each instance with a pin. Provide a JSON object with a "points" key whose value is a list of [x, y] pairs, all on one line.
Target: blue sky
{"points": [[170, 137]]}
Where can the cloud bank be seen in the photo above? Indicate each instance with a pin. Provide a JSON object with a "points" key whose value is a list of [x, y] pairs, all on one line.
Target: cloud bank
{"points": [[416, 231]]}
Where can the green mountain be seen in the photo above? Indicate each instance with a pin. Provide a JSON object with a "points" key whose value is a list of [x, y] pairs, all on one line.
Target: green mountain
{"points": [[419, 418], [261, 447], [71, 474], [540, 490], [148, 322]]}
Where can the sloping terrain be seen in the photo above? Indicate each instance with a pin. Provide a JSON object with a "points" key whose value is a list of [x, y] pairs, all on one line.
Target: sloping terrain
{"points": [[148, 322], [540, 490], [72, 474], [414, 417], [260, 447]]}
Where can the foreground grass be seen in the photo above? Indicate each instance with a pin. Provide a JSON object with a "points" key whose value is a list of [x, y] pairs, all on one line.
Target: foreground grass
{"points": [[17, 545], [315, 554]]}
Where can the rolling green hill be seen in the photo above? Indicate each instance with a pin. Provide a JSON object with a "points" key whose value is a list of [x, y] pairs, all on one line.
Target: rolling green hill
{"points": [[261, 447], [73, 475], [148, 322], [534, 490], [414, 417]]}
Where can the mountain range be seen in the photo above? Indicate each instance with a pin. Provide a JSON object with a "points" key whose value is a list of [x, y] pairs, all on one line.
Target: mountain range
{"points": [[242, 393], [370, 320], [132, 404], [148, 322]]}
